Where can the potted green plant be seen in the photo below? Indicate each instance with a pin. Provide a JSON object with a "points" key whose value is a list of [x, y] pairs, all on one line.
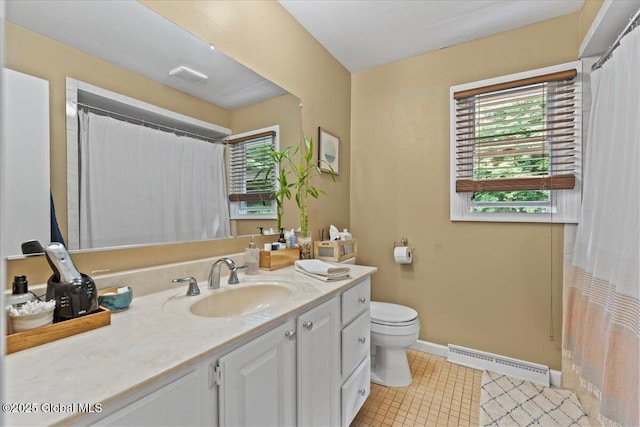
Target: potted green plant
{"points": [[303, 167], [284, 187]]}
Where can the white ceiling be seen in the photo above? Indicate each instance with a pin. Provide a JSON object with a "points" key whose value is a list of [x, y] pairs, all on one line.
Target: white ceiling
{"points": [[132, 36], [363, 34]]}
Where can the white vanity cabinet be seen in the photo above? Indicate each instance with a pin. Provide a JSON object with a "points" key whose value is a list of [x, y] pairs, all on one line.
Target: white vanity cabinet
{"points": [[311, 370], [258, 380], [330, 369], [287, 376]]}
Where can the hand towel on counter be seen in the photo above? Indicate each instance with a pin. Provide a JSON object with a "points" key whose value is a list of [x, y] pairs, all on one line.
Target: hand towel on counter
{"points": [[324, 278], [322, 270]]}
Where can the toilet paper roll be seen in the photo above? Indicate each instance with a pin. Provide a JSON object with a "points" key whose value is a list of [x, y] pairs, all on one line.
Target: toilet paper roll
{"points": [[403, 255]]}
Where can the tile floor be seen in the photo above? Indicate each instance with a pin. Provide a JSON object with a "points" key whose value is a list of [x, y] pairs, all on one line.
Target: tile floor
{"points": [[442, 394]]}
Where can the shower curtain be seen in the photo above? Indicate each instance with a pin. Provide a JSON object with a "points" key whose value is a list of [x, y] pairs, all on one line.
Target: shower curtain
{"points": [[141, 185], [601, 337]]}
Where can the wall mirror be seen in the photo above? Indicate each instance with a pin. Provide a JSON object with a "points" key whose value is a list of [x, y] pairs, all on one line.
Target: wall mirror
{"points": [[126, 48]]}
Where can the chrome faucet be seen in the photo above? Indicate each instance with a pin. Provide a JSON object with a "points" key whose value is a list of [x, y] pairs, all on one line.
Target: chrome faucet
{"points": [[214, 273], [193, 285]]}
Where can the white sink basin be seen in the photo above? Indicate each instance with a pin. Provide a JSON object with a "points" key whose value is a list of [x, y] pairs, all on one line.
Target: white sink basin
{"points": [[241, 300]]}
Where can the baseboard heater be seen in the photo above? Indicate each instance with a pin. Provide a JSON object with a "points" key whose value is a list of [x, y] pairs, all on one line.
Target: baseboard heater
{"points": [[533, 372]]}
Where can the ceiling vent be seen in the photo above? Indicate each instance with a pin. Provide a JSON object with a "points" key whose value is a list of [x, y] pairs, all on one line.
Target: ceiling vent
{"points": [[187, 74]]}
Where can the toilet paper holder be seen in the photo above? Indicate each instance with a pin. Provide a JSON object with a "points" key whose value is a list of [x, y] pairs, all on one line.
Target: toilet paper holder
{"points": [[403, 242], [402, 253]]}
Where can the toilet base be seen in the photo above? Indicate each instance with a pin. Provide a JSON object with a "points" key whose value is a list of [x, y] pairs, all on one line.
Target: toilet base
{"points": [[391, 367]]}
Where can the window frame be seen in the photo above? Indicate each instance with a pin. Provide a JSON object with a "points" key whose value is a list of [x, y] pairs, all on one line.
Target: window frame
{"points": [[236, 208], [564, 204]]}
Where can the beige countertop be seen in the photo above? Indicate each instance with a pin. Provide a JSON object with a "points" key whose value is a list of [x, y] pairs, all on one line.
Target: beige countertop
{"points": [[154, 338]]}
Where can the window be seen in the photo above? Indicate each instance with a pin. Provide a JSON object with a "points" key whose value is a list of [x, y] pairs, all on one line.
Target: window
{"points": [[515, 147], [252, 175]]}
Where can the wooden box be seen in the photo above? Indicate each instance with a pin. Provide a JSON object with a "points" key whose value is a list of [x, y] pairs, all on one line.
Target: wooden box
{"points": [[38, 336], [273, 260], [335, 250]]}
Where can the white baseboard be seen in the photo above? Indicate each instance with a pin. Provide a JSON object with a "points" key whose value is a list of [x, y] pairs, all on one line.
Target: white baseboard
{"points": [[431, 348], [555, 377]]}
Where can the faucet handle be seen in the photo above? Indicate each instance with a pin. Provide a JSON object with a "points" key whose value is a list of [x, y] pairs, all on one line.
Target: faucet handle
{"points": [[193, 285], [233, 277]]}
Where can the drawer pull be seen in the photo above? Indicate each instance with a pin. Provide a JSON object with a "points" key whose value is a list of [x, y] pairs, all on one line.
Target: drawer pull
{"points": [[291, 335], [362, 392], [362, 300], [308, 325], [362, 340]]}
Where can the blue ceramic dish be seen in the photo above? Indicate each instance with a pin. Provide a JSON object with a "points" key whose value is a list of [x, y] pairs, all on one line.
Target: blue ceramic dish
{"points": [[115, 301]]}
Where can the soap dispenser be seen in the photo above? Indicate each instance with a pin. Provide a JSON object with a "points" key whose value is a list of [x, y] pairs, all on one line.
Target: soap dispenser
{"points": [[20, 292], [20, 295], [252, 257]]}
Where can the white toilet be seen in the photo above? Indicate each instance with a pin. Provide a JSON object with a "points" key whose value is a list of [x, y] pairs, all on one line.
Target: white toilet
{"points": [[393, 329]]}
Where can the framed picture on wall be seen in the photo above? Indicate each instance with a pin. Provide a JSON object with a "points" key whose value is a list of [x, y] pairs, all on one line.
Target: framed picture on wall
{"points": [[328, 152]]}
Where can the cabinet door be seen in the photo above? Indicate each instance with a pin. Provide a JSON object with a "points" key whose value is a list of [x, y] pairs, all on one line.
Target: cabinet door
{"points": [[257, 385], [177, 403], [319, 365]]}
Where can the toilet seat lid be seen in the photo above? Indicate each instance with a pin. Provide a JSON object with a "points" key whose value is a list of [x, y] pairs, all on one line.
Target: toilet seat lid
{"points": [[391, 313]]}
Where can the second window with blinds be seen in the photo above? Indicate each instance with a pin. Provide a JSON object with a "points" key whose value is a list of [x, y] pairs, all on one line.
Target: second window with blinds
{"points": [[252, 174], [515, 147]]}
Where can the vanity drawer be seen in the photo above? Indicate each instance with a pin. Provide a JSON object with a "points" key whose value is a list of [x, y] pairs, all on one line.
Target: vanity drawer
{"points": [[356, 300], [355, 391], [355, 343]]}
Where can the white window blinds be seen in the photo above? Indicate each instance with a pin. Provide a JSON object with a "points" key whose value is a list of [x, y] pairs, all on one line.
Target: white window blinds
{"points": [[518, 135], [252, 174]]}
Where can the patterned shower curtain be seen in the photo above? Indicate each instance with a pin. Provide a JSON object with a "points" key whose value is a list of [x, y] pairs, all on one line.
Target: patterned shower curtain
{"points": [[601, 337]]}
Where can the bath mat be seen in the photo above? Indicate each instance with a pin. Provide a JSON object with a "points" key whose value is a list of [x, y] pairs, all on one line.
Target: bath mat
{"points": [[508, 401]]}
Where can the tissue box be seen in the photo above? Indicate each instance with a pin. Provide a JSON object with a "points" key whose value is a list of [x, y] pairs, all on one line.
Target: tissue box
{"points": [[336, 250]]}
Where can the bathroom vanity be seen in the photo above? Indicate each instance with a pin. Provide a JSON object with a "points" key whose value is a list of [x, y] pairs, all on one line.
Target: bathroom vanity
{"points": [[302, 360]]}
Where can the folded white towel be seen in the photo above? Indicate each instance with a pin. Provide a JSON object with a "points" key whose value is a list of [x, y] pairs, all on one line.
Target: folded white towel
{"points": [[315, 266], [331, 278]]}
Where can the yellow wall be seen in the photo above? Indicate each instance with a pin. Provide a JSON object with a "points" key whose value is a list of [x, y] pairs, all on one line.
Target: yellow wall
{"points": [[590, 9], [479, 285]]}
